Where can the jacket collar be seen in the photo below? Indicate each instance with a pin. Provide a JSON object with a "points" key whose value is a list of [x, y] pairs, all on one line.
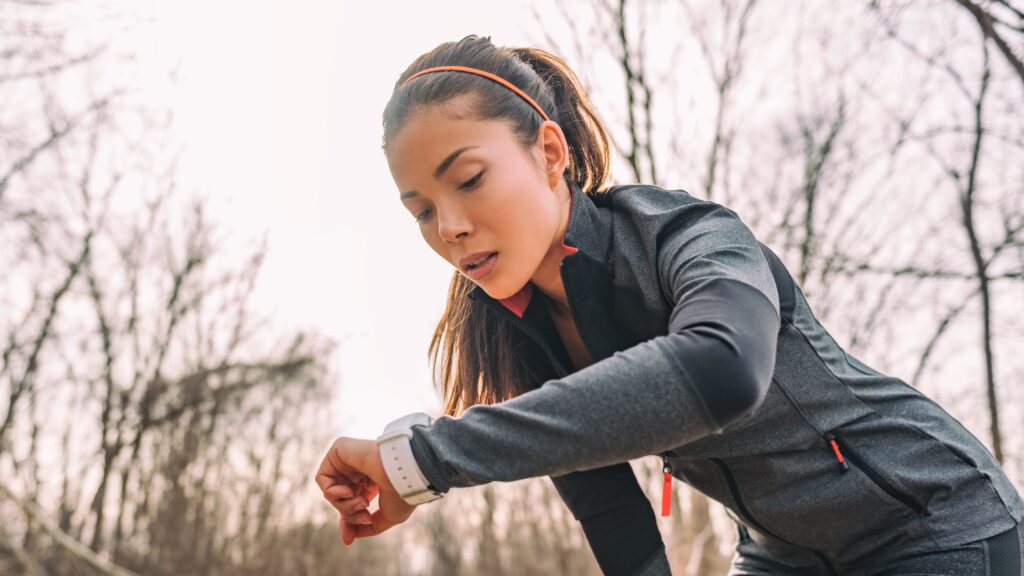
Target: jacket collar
{"points": [[588, 231]]}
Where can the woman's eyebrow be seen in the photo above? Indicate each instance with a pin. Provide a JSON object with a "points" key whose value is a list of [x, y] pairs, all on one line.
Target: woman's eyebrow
{"points": [[444, 165]]}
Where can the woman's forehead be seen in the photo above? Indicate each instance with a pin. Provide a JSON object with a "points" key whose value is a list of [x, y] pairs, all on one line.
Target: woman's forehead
{"points": [[436, 124], [423, 148]]}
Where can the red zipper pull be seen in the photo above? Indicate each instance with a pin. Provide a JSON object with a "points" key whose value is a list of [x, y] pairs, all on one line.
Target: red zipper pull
{"points": [[666, 487], [839, 455]]}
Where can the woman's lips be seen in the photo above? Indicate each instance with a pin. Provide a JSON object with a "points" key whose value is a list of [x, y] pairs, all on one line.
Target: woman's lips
{"points": [[484, 268]]}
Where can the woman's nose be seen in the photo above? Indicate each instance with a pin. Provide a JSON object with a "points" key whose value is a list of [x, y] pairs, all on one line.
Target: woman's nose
{"points": [[453, 224]]}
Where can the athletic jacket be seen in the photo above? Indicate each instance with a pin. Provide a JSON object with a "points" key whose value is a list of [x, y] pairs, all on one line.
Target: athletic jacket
{"points": [[706, 353]]}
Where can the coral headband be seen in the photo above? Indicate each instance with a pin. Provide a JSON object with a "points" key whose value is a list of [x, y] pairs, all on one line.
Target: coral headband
{"points": [[497, 79]]}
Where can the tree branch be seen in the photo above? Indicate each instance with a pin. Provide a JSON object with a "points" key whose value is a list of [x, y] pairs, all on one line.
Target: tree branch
{"points": [[65, 541]]}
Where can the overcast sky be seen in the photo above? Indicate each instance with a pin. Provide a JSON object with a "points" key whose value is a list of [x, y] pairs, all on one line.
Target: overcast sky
{"points": [[279, 105]]}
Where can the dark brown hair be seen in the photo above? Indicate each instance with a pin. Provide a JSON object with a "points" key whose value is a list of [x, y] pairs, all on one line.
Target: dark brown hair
{"points": [[476, 348]]}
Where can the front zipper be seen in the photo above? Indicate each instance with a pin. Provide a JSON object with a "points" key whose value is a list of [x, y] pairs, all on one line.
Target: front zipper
{"points": [[572, 309], [562, 371], [666, 485], [734, 489], [666, 468], [870, 472]]}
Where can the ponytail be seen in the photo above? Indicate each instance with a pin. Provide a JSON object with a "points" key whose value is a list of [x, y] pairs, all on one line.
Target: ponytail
{"points": [[584, 131]]}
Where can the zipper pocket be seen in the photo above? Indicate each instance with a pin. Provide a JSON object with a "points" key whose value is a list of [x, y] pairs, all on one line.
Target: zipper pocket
{"points": [[870, 472], [735, 491]]}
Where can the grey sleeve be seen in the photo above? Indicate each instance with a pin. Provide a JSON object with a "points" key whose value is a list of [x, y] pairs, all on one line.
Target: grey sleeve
{"points": [[712, 368]]}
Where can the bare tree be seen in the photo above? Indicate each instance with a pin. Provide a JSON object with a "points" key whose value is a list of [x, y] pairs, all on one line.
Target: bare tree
{"points": [[965, 172], [134, 371], [996, 22]]}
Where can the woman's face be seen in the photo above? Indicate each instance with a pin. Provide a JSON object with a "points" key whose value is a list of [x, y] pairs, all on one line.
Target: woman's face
{"points": [[473, 190]]}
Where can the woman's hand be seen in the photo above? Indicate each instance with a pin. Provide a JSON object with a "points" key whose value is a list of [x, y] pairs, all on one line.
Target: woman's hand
{"points": [[351, 475]]}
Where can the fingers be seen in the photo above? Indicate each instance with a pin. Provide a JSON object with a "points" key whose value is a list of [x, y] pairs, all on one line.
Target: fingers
{"points": [[350, 531], [347, 506], [350, 491], [335, 470], [338, 491], [347, 499], [371, 490], [350, 506]]}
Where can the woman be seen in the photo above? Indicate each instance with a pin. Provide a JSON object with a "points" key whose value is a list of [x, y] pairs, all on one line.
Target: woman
{"points": [[587, 326]]}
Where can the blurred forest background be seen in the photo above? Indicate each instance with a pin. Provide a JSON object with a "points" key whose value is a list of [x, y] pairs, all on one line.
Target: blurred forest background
{"points": [[152, 422]]}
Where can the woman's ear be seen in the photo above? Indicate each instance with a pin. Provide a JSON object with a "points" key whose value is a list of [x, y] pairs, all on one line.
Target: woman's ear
{"points": [[555, 152]]}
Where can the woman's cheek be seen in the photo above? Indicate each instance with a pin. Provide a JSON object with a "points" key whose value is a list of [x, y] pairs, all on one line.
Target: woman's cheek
{"points": [[435, 244]]}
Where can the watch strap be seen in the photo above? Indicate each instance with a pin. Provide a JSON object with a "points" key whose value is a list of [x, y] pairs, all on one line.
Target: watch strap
{"points": [[399, 462]]}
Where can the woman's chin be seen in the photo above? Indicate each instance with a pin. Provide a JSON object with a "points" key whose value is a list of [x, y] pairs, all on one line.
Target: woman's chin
{"points": [[499, 290]]}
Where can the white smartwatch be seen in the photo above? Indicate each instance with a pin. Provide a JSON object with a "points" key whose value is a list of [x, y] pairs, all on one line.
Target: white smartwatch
{"points": [[399, 463]]}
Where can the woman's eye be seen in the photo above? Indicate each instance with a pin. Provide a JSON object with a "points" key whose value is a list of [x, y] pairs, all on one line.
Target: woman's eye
{"points": [[472, 181], [464, 186]]}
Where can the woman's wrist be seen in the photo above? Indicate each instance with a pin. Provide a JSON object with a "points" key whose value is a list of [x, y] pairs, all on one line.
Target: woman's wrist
{"points": [[400, 463]]}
